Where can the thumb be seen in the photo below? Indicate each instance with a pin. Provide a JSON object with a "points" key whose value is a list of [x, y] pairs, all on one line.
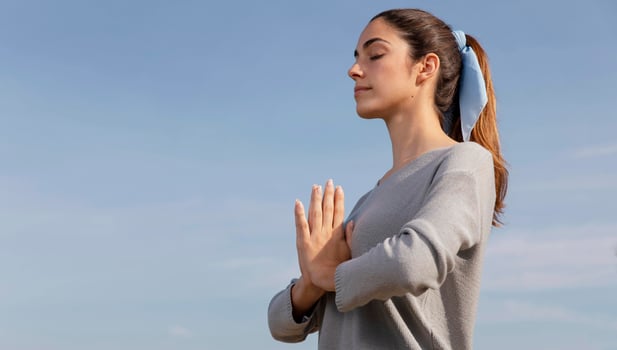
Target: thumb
{"points": [[349, 233]]}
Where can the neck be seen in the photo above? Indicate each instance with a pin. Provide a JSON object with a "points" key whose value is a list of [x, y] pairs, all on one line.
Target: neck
{"points": [[413, 134]]}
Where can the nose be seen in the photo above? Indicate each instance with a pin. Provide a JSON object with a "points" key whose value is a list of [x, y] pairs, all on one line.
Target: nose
{"points": [[354, 71]]}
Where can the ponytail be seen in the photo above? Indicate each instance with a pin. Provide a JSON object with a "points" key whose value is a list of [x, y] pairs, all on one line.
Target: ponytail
{"points": [[485, 132]]}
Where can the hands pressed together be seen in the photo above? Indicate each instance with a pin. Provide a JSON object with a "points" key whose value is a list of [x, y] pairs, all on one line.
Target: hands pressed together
{"points": [[322, 242]]}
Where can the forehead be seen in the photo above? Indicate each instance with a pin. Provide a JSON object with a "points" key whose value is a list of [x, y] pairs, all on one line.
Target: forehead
{"points": [[379, 28]]}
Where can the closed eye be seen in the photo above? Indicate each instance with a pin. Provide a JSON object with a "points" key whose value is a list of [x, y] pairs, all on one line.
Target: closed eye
{"points": [[376, 57]]}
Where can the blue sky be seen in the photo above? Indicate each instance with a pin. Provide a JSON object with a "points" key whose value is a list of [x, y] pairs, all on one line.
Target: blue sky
{"points": [[151, 152]]}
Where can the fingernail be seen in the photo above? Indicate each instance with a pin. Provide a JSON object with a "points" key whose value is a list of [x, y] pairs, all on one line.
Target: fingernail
{"points": [[330, 182]]}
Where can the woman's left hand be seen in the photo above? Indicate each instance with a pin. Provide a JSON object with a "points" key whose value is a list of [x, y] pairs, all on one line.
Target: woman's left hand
{"points": [[320, 240]]}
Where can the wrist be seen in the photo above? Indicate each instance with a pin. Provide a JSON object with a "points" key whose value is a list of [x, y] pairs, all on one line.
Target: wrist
{"points": [[305, 289], [304, 295], [324, 278]]}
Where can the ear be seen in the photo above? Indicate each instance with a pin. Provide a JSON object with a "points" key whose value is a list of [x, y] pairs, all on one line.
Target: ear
{"points": [[427, 68]]}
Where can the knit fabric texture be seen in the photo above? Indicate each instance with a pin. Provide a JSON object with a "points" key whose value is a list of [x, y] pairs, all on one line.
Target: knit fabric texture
{"points": [[413, 281]]}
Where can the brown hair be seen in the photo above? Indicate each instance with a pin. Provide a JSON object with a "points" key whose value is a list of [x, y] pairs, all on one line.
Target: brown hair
{"points": [[425, 34]]}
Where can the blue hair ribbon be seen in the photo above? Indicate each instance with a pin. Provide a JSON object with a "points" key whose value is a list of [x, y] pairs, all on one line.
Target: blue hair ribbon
{"points": [[472, 88]]}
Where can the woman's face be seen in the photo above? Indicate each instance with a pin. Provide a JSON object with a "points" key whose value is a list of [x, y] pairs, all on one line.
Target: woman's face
{"points": [[383, 72]]}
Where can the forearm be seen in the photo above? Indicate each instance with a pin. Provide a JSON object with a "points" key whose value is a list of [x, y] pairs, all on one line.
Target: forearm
{"points": [[400, 265], [454, 217], [304, 296]]}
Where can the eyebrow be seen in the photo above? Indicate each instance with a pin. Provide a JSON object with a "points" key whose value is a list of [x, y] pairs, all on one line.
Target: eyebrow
{"points": [[368, 43]]}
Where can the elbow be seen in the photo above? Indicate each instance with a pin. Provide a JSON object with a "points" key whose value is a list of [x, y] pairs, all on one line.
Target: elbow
{"points": [[281, 328], [416, 284], [278, 333], [287, 339]]}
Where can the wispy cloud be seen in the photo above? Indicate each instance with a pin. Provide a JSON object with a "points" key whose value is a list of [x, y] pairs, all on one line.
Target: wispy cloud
{"points": [[595, 151], [588, 182], [25, 210], [558, 257], [179, 332], [512, 310], [239, 263]]}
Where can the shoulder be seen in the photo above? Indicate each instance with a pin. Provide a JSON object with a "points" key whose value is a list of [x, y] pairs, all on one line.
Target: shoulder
{"points": [[468, 157], [467, 167]]}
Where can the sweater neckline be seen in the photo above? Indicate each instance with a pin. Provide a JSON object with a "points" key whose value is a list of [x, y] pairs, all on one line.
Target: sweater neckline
{"points": [[413, 162]]}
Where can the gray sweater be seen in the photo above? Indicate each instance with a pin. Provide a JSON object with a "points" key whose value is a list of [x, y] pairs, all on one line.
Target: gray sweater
{"points": [[414, 277]]}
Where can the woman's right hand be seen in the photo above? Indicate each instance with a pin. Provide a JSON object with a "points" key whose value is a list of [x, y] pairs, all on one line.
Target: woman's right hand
{"points": [[320, 240], [304, 292], [321, 245]]}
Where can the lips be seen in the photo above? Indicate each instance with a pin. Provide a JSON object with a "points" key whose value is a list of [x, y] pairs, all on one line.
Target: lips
{"points": [[360, 89]]}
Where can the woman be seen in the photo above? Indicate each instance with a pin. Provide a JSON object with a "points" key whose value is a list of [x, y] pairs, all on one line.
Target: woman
{"points": [[404, 272]]}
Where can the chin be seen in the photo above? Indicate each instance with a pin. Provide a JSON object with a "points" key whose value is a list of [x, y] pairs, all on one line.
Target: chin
{"points": [[366, 112]]}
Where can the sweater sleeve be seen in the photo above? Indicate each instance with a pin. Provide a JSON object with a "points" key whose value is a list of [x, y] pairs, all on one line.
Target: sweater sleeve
{"points": [[282, 325], [456, 210]]}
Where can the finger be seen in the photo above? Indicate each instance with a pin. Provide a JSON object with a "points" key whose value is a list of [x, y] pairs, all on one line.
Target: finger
{"points": [[349, 233], [328, 205], [315, 214], [339, 209], [302, 229]]}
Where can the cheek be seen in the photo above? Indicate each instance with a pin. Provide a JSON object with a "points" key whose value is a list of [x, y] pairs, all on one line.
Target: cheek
{"points": [[393, 78], [391, 87], [394, 88], [398, 82]]}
